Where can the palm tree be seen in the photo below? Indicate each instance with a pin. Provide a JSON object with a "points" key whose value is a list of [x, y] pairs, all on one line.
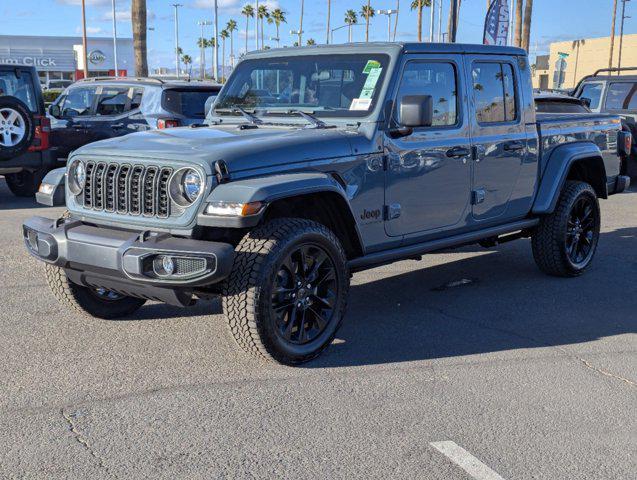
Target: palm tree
{"points": [[248, 11], [223, 35], [202, 43], [277, 17], [311, 41], [576, 44], [612, 35], [212, 43], [517, 41], [231, 26], [138, 19], [350, 19], [187, 60], [419, 5], [396, 20], [262, 14], [368, 12], [526, 28]]}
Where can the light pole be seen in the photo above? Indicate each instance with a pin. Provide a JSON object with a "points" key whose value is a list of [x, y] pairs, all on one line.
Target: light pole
{"points": [[454, 21], [440, 21], [202, 48], [84, 42], [621, 35], [344, 26], [177, 61], [115, 40], [432, 20], [389, 13], [298, 34], [301, 23], [215, 69]]}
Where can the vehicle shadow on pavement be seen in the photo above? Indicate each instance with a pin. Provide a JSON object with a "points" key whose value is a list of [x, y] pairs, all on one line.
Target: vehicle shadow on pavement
{"points": [[508, 304]]}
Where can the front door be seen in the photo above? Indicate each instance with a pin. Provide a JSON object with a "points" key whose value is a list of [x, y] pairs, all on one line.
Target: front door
{"points": [[499, 138], [429, 171], [70, 130]]}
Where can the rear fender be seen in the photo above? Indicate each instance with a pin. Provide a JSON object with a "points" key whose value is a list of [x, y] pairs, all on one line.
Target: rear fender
{"points": [[560, 163]]}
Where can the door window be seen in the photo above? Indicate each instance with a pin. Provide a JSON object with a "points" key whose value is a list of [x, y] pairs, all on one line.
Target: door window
{"points": [[592, 91], [19, 86], [494, 91], [113, 101], [622, 96], [436, 79], [78, 102]]}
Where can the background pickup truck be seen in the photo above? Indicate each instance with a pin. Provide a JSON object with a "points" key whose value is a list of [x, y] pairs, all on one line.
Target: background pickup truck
{"points": [[318, 162]]}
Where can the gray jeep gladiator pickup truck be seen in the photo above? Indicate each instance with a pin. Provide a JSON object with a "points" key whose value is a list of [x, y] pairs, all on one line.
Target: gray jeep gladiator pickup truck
{"points": [[318, 162]]}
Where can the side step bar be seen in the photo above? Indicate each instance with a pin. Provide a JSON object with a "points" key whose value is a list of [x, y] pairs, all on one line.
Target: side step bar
{"points": [[409, 251]]}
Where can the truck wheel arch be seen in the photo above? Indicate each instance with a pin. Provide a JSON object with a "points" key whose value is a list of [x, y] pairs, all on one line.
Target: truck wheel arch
{"points": [[578, 161]]}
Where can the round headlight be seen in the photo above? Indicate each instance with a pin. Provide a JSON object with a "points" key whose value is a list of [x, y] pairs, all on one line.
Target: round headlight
{"points": [[191, 185], [77, 177]]}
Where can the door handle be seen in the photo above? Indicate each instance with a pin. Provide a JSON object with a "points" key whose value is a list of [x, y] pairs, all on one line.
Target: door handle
{"points": [[457, 152], [117, 126], [512, 146], [77, 126]]}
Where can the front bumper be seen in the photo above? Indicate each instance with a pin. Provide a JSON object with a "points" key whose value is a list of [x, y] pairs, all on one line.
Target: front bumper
{"points": [[126, 261]]}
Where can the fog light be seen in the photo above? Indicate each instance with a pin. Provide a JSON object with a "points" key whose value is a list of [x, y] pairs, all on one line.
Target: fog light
{"points": [[163, 265], [32, 238]]}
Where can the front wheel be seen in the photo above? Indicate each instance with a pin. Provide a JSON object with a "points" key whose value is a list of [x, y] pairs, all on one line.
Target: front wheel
{"points": [[565, 241], [96, 302], [24, 183], [286, 295]]}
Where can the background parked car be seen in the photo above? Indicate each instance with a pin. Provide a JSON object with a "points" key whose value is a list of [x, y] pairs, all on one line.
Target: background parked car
{"points": [[25, 154], [607, 92], [96, 109], [551, 102]]}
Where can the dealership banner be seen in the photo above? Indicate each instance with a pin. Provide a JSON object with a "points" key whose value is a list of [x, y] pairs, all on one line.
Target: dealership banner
{"points": [[53, 60], [496, 25]]}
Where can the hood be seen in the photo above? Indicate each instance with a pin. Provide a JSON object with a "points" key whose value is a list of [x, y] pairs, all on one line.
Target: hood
{"points": [[241, 149]]}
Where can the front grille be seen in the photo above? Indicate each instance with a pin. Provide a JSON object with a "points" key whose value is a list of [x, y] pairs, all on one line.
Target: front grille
{"points": [[127, 189]]}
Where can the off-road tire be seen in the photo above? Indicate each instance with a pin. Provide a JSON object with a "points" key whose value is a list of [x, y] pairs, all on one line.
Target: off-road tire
{"points": [[13, 104], [549, 239], [248, 289], [24, 183]]}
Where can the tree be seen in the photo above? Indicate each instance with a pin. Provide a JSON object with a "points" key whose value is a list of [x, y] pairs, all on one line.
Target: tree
{"points": [[367, 12], [576, 44], [311, 41], [262, 14], [223, 35], [526, 27], [419, 5], [248, 11], [350, 19], [202, 43], [212, 43], [138, 20], [187, 60], [396, 20], [612, 35], [277, 17], [518, 23], [231, 26]]}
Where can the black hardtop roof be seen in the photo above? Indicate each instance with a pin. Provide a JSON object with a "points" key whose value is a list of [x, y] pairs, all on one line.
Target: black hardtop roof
{"points": [[390, 47]]}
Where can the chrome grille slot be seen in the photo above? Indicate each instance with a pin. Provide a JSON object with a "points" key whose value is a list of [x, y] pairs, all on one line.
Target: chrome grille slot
{"points": [[127, 189]]}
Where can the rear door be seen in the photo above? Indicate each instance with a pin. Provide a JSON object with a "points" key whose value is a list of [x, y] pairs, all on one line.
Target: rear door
{"points": [[499, 136], [70, 130], [429, 171]]}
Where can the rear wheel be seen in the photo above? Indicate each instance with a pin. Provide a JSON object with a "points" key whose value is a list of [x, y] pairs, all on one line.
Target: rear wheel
{"points": [[565, 242], [96, 302], [286, 296], [17, 127]]}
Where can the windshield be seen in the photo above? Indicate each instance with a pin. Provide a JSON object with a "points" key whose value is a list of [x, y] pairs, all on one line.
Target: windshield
{"points": [[334, 85]]}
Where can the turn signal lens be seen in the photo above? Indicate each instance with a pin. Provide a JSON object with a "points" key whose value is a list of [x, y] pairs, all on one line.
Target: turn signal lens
{"points": [[46, 188], [224, 209]]}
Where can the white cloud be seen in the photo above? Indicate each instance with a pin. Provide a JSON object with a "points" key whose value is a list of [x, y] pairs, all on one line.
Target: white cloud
{"points": [[88, 2]]}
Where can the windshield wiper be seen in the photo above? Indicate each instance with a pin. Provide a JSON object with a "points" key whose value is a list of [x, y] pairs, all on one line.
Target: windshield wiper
{"points": [[310, 118], [250, 117]]}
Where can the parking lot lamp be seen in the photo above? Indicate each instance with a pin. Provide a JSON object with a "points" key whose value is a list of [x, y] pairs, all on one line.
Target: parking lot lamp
{"points": [[177, 61], [84, 42], [389, 13], [115, 40]]}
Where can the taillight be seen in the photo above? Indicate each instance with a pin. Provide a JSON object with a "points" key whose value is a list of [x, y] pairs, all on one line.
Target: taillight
{"points": [[167, 123], [628, 139], [42, 131]]}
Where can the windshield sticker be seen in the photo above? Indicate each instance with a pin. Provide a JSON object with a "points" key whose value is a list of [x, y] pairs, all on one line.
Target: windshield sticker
{"points": [[370, 83], [361, 104], [371, 64]]}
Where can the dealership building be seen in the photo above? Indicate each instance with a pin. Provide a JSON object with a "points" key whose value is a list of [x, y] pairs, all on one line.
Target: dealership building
{"points": [[62, 57]]}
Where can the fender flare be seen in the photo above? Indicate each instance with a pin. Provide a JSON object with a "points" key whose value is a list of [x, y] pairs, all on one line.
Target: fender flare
{"points": [[558, 166], [57, 179], [268, 189]]}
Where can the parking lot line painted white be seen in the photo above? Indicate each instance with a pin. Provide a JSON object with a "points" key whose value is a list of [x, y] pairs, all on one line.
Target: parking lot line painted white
{"points": [[466, 461]]}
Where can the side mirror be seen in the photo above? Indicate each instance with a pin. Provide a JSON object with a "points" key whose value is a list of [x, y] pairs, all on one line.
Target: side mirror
{"points": [[586, 102], [54, 110], [416, 111]]}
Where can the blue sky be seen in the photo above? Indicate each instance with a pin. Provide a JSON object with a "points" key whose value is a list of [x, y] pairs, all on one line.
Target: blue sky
{"points": [[553, 20]]}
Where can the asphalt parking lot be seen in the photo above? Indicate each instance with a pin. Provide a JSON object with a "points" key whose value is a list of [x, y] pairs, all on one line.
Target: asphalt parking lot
{"points": [[512, 375]]}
